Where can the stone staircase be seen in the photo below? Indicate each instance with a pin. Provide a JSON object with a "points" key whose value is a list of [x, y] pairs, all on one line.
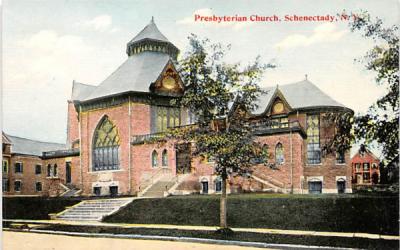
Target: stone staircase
{"points": [[93, 210], [271, 183], [158, 188]]}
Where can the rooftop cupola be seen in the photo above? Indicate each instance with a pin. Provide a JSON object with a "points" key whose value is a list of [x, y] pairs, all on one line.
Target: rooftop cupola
{"points": [[151, 39]]}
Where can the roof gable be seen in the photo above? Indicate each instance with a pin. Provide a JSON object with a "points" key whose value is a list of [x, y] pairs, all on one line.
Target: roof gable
{"points": [[300, 95], [169, 82]]}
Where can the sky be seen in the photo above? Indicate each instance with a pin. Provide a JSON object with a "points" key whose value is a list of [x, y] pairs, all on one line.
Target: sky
{"points": [[48, 44]]}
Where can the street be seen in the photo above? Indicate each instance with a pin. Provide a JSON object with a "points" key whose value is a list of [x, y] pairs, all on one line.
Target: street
{"points": [[34, 241]]}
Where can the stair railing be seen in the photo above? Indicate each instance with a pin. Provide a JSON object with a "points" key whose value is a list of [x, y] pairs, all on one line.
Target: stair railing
{"points": [[149, 181]]}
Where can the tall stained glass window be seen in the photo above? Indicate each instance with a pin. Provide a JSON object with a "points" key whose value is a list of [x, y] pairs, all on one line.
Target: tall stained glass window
{"points": [[166, 117], [313, 140], [279, 157], [106, 146]]}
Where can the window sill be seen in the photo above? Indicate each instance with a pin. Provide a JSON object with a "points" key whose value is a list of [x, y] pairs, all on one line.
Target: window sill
{"points": [[52, 177], [314, 165], [340, 164], [105, 171]]}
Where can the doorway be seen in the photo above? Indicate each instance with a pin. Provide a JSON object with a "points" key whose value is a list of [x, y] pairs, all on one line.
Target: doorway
{"points": [[204, 187], [341, 186], [68, 172]]}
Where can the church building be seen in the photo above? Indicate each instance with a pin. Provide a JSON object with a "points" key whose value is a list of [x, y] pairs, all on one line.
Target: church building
{"points": [[109, 152]]}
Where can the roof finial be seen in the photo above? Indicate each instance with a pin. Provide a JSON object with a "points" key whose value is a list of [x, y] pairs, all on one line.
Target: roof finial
{"points": [[306, 77], [152, 19]]}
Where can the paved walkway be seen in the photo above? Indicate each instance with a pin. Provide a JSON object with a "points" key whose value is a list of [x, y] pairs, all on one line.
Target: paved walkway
{"points": [[181, 227], [33, 241]]}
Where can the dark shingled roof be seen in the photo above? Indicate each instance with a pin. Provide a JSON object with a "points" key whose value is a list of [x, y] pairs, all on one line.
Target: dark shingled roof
{"points": [[32, 147], [299, 95]]}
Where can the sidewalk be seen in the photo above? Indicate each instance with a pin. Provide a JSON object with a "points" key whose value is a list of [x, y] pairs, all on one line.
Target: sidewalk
{"points": [[210, 228]]}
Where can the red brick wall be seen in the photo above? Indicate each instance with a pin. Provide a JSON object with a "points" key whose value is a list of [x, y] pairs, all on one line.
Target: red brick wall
{"points": [[119, 115], [72, 123], [282, 173], [27, 177], [141, 168]]}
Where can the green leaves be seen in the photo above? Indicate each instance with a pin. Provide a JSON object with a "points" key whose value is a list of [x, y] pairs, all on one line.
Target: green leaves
{"points": [[213, 88], [381, 123]]}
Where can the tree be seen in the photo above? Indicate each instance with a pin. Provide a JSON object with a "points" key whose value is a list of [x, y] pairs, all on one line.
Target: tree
{"points": [[381, 122], [219, 94]]}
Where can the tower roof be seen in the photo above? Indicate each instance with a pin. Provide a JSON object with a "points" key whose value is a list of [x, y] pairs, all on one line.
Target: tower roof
{"points": [[151, 39], [150, 31]]}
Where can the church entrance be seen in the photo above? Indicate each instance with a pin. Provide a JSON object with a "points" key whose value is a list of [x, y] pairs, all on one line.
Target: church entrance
{"points": [[183, 159]]}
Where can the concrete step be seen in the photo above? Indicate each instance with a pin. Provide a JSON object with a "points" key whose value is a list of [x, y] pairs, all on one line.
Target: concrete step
{"points": [[93, 210]]}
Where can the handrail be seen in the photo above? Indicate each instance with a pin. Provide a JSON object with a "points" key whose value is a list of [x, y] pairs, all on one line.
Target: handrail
{"points": [[150, 180]]}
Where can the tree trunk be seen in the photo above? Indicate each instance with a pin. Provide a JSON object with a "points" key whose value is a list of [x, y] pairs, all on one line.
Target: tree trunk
{"points": [[223, 207]]}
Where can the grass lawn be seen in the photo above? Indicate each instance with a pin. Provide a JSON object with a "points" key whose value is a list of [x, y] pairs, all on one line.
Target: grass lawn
{"points": [[335, 213], [239, 236], [34, 208]]}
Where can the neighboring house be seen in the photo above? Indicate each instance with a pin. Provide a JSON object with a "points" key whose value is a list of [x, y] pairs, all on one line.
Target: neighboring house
{"points": [[365, 166], [108, 150], [24, 169]]}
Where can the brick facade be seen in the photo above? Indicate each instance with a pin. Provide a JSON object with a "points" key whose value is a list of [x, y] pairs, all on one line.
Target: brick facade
{"points": [[129, 101]]}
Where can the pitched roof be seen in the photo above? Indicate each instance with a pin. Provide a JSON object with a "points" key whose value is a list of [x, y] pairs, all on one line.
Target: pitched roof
{"points": [[299, 95], [5, 139], [25, 146], [135, 74], [81, 90], [149, 32]]}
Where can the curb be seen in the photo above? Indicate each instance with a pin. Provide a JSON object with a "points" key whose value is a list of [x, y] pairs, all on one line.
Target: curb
{"points": [[179, 239], [195, 228]]}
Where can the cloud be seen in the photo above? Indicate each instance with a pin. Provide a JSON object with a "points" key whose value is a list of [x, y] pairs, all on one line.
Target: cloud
{"points": [[209, 13], [100, 23], [326, 32]]}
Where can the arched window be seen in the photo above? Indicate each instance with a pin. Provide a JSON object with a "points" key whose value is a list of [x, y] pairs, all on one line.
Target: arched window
{"points": [[154, 159], [55, 170], [279, 158], [164, 158], [106, 146]]}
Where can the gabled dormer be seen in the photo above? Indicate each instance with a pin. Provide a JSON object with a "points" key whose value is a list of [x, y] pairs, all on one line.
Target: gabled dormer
{"points": [[168, 82], [278, 106]]}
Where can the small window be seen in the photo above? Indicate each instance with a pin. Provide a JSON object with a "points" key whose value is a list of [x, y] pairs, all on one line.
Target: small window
{"points": [[358, 167], [315, 187], [366, 166], [97, 191], [218, 185], [340, 157], [154, 159], [38, 187], [17, 186], [366, 177], [6, 185], [38, 169], [55, 170], [18, 167], [5, 166], [49, 170], [164, 158], [279, 157], [374, 166]]}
